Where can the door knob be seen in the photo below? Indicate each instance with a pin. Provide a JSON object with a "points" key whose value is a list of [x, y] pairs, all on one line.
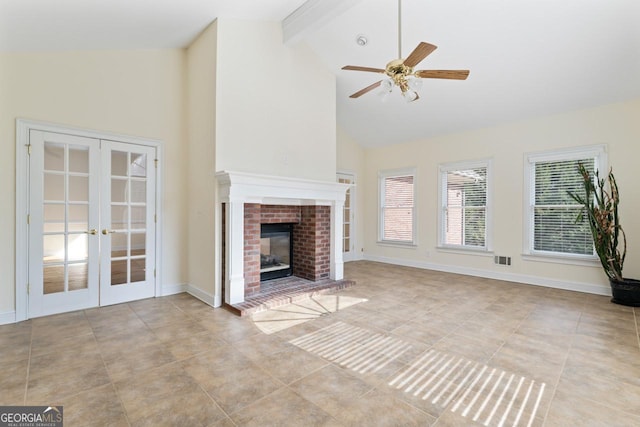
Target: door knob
{"points": [[93, 232], [105, 231]]}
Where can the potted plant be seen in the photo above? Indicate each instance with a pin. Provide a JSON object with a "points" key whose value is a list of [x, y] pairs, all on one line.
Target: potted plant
{"points": [[600, 204]]}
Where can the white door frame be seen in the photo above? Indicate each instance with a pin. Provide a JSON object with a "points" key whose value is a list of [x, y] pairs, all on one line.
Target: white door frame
{"points": [[23, 127], [352, 255]]}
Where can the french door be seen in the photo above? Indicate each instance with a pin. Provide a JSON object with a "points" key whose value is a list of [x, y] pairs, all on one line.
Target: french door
{"points": [[91, 222]]}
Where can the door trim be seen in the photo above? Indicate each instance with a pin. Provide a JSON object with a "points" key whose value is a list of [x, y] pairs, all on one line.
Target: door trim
{"points": [[352, 255], [23, 127]]}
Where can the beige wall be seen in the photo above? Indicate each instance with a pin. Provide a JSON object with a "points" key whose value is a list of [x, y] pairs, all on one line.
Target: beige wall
{"points": [[351, 158], [276, 107], [138, 93], [201, 125], [615, 125]]}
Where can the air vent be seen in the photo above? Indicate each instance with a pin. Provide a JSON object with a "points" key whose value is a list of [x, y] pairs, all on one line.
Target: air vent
{"points": [[502, 260]]}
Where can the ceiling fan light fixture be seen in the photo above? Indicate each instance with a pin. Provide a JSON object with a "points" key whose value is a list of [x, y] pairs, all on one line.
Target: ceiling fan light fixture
{"points": [[410, 95], [415, 83]]}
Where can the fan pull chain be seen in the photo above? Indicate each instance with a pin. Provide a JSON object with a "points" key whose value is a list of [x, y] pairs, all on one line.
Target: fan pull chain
{"points": [[399, 29]]}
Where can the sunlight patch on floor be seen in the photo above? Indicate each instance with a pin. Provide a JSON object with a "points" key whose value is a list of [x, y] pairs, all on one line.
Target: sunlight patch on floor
{"points": [[487, 395], [286, 316], [355, 348]]}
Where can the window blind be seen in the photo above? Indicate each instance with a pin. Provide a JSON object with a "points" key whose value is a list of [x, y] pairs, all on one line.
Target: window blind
{"points": [[554, 212], [465, 207], [397, 208]]}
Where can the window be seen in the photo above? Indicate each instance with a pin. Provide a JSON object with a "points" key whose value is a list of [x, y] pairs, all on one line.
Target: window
{"points": [[464, 201], [552, 228], [397, 216]]}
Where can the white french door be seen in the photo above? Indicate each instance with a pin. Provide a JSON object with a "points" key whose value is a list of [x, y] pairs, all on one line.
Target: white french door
{"points": [[91, 222], [127, 252]]}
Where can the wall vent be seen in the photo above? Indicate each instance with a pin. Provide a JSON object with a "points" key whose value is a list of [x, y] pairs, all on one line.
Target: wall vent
{"points": [[502, 260]]}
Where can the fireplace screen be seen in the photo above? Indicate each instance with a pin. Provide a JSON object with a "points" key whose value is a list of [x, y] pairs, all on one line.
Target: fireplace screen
{"points": [[275, 251]]}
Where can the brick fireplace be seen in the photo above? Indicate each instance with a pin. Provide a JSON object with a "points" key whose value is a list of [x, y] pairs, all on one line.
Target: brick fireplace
{"points": [[311, 240], [313, 207]]}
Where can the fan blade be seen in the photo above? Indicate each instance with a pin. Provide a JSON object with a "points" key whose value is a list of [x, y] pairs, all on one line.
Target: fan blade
{"points": [[366, 89], [419, 53], [357, 68], [443, 74]]}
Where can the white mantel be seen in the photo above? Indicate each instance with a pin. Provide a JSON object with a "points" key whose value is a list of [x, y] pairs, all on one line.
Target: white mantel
{"points": [[237, 188]]}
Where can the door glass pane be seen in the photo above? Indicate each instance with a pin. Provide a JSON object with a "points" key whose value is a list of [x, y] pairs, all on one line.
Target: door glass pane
{"points": [[78, 276], [119, 272], [119, 217], [118, 244], [138, 272], [138, 165], [53, 218], [79, 159], [138, 217], [78, 218], [53, 248], [53, 279], [79, 188], [53, 187], [119, 190], [138, 191], [53, 156], [118, 163], [78, 247], [138, 244]]}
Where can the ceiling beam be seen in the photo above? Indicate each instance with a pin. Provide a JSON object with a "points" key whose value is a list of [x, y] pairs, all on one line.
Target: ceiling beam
{"points": [[312, 15]]}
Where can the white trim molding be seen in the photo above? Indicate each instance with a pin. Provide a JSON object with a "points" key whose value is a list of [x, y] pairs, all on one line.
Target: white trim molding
{"points": [[237, 188], [203, 296], [7, 317], [590, 288]]}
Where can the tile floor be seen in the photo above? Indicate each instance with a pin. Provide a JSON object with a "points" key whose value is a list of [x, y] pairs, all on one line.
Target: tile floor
{"points": [[404, 347]]}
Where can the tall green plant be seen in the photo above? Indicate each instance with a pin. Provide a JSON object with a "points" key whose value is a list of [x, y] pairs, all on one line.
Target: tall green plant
{"points": [[600, 203]]}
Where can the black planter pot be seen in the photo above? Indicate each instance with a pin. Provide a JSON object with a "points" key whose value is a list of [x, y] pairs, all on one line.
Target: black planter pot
{"points": [[625, 292]]}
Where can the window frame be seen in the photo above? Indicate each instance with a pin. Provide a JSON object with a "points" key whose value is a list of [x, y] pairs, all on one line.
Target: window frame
{"points": [[599, 154], [382, 176], [443, 170]]}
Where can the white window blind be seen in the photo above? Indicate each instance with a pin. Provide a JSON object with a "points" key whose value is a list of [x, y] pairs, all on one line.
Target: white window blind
{"points": [[554, 212], [464, 207], [397, 208]]}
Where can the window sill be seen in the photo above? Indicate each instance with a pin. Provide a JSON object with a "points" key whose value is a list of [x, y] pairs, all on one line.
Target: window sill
{"points": [[560, 259], [465, 251], [397, 244]]}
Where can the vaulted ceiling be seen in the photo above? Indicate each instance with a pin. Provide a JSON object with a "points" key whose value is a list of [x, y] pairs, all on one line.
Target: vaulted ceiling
{"points": [[527, 58]]}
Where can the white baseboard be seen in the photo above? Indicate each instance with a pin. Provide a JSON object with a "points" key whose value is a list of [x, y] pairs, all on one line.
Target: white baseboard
{"points": [[589, 288], [203, 296], [7, 317]]}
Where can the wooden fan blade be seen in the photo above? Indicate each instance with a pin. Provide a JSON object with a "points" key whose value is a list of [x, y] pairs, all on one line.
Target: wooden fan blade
{"points": [[443, 74], [419, 53], [357, 68], [366, 89]]}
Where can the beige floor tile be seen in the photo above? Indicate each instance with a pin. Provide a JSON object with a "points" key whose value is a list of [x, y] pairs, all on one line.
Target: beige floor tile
{"points": [[569, 410], [332, 389], [13, 382], [55, 377], [166, 396], [478, 349], [191, 345], [283, 408], [98, 406], [381, 409], [291, 364], [172, 331], [233, 381]]}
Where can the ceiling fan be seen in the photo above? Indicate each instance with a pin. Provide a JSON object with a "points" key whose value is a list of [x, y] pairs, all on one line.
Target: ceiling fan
{"points": [[401, 72]]}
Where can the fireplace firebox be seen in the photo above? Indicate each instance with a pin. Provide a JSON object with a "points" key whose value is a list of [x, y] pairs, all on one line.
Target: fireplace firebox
{"points": [[276, 251]]}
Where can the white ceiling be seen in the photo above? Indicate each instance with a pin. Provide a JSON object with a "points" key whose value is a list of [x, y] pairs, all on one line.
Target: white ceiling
{"points": [[527, 57]]}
